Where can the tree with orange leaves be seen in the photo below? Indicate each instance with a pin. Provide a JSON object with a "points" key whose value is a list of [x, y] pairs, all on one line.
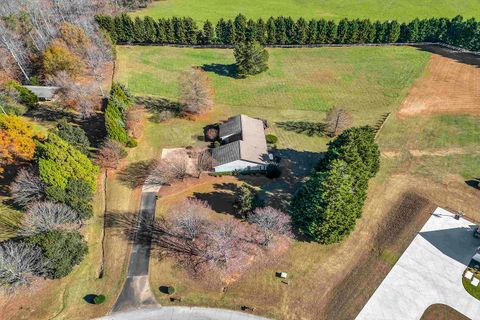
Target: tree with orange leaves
{"points": [[16, 139]]}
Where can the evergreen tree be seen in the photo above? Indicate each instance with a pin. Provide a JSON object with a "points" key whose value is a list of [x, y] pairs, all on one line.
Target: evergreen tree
{"points": [[170, 31], [281, 31], [271, 31], [413, 35], [342, 31], [220, 31], [240, 28], [261, 34], [353, 32], [229, 32], [325, 207], [312, 32], [379, 32], [251, 31], [370, 31], [393, 32], [161, 32], [107, 23], [139, 29], [150, 30], [301, 31], [290, 30], [208, 33], [179, 30], [190, 31], [251, 58], [331, 32]]}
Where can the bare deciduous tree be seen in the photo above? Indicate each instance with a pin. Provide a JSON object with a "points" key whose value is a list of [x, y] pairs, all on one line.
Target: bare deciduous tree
{"points": [[82, 98], [133, 121], [337, 120], [270, 222], [26, 188], [196, 91], [110, 154], [19, 262], [44, 216], [190, 217], [165, 171]]}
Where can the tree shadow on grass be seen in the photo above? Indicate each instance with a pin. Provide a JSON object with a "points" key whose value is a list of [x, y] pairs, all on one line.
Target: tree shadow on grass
{"points": [[309, 128], [224, 70], [474, 183], [221, 200], [157, 105], [134, 174]]}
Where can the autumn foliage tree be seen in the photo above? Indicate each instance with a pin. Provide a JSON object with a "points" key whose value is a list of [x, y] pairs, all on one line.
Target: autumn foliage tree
{"points": [[58, 57], [196, 91], [16, 139]]}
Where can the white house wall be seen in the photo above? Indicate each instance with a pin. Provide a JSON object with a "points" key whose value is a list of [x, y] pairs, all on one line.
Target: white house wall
{"points": [[238, 165]]}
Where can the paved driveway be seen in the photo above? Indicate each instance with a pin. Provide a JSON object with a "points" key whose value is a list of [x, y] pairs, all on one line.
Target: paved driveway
{"points": [[136, 292], [430, 271], [182, 313]]}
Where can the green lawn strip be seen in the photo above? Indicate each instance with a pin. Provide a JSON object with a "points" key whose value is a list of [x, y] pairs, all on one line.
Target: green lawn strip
{"points": [[473, 291], [328, 9]]}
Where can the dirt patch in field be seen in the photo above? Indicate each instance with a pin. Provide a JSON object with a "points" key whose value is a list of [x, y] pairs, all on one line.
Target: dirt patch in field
{"points": [[451, 84]]}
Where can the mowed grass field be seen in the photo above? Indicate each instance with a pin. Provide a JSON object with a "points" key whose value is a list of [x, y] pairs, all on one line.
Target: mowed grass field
{"points": [[404, 10], [300, 85]]}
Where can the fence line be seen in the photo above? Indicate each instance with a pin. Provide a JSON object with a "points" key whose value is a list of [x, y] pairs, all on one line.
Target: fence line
{"points": [[317, 45]]}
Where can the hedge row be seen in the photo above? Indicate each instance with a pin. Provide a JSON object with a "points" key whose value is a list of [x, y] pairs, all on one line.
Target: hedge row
{"points": [[117, 106], [284, 30]]}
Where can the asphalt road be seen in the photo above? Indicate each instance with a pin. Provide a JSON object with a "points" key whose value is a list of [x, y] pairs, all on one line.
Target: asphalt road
{"points": [[136, 291], [182, 313]]}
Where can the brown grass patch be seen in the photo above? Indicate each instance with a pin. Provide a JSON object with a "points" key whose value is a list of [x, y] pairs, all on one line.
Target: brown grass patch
{"points": [[450, 85]]}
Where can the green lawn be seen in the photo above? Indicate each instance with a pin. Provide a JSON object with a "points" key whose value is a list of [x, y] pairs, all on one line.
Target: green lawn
{"points": [[301, 85], [404, 10]]}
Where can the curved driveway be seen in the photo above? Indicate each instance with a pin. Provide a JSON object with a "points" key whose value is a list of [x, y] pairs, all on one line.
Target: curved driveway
{"points": [[181, 313]]}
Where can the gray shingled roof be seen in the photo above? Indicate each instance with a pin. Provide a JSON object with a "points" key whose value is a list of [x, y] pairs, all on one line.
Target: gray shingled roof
{"points": [[43, 92], [227, 153], [231, 127]]}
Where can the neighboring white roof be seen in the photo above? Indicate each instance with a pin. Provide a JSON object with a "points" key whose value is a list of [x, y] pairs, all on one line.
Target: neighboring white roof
{"points": [[44, 92]]}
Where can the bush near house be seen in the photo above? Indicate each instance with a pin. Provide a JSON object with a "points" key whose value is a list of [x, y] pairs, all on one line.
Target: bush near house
{"points": [[271, 139], [20, 93]]}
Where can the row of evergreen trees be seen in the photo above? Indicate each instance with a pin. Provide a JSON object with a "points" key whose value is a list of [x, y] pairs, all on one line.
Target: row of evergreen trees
{"points": [[331, 200], [285, 30]]}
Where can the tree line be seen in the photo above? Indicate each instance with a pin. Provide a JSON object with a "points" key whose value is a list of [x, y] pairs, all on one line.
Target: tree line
{"points": [[331, 200], [284, 30]]}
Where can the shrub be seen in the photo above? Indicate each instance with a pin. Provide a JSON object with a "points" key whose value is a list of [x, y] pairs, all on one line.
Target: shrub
{"points": [[132, 143], [246, 200], [273, 171], [170, 290], [22, 94], [73, 135], [62, 250], [271, 139], [59, 162], [10, 106], [99, 299], [77, 195]]}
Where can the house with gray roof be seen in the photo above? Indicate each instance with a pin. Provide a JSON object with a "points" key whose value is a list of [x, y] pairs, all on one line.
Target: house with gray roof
{"points": [[243, 145]]}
